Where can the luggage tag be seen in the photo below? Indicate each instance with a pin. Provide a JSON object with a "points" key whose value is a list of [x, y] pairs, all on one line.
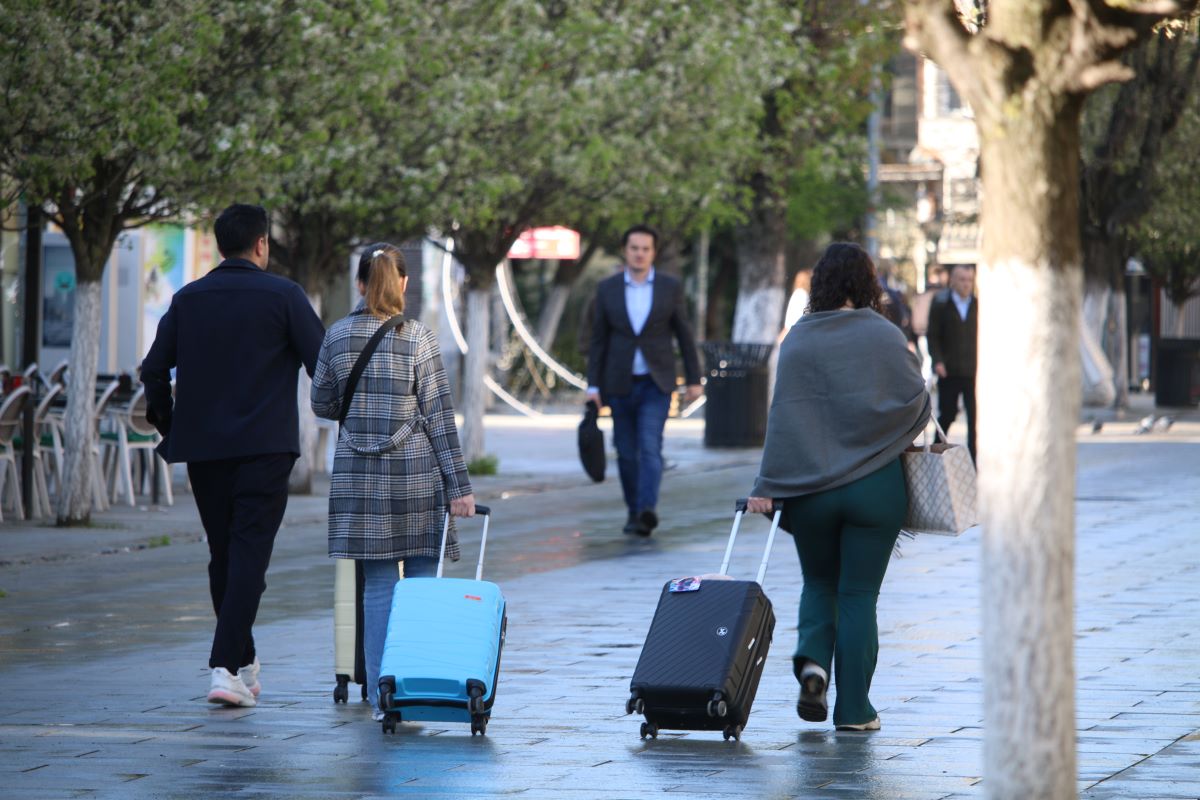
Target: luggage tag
{"points": [[684, 585]]}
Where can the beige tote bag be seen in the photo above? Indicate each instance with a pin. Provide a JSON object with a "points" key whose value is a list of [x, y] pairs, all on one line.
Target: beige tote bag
{"points": [[941, 487]]}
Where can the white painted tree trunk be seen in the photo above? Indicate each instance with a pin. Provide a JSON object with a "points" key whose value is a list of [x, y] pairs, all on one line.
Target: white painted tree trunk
{"points": [[551, 315], [1099, 386], [75, 496], [1030, 284], [758, 315], [301, 479], [475, 367]]}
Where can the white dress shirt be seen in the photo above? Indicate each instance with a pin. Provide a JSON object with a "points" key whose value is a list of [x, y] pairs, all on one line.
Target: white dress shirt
{"points": [[963, 304], [639, 297]]}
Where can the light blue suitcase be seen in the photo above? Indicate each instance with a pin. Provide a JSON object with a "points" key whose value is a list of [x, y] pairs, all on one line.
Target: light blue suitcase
{"points": [[441, 658]]}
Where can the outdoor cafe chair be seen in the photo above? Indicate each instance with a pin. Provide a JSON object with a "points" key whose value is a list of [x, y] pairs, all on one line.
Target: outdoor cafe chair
{"points": [[10, 423], [134, 432]]}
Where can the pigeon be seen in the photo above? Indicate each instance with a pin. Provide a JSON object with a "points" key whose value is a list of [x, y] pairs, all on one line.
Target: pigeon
{"points": [[1163, 424], [1097, 426], [1145, 425]]}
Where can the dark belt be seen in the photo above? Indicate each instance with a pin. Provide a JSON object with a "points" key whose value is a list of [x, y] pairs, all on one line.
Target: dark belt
{"points": [[640, 378]]}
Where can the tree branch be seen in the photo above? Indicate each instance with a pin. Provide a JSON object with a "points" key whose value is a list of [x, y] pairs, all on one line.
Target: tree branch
{"points": [[936, 30]]}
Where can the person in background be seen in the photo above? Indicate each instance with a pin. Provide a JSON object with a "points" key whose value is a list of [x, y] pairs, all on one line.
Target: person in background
{"points": [[953, 339], [237, 338], [797, 302], [631, 368], [398, 466], [848, 400]]}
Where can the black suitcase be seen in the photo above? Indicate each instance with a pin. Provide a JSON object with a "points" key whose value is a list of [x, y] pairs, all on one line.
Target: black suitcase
{"points": [[704, 655]]}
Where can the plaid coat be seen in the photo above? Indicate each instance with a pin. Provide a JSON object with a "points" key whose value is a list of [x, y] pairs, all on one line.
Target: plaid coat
{"points": [[398, 458]]}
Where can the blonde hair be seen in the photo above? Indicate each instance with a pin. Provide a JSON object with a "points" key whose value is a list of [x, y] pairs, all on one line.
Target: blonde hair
{"points": [[385, 271]]}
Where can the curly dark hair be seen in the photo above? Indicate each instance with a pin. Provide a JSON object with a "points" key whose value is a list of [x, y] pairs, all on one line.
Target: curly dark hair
{"points": [[845, 272]]}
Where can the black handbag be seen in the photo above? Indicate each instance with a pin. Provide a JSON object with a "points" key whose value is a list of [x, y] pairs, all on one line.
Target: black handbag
{"points": [[361, 364], [591, 443]]}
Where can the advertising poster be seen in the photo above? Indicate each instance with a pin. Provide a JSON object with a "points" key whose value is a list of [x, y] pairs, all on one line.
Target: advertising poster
{"points": [[58, 297], [163, 263]]}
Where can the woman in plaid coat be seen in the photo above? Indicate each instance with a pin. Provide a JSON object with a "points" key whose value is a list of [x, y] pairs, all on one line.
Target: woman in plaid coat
{"points": [[398, 463]]}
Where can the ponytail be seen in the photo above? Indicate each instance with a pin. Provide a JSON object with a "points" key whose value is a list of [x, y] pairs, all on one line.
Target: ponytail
{"points": [[382, 269]]}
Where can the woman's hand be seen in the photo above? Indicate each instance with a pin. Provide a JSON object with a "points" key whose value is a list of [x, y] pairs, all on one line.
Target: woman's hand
{"points": [[760, 505], [463, 506]]}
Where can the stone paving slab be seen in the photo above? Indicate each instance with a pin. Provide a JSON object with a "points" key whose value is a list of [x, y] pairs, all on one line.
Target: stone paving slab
{"points": [[116, 710]]}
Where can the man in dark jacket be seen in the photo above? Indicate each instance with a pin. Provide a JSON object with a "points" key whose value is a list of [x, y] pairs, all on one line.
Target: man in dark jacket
{"points": [[953, 338], [631, 368], [237, 338]]}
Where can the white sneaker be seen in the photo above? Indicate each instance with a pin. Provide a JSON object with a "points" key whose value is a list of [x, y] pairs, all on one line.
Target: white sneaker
{"points": [[873, 725], [377, 715], [229, 690], [249, 676]]}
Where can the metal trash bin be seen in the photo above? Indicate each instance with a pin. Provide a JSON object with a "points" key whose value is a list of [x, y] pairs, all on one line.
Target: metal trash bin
{"points": [[739, 375], [1177, 378]]}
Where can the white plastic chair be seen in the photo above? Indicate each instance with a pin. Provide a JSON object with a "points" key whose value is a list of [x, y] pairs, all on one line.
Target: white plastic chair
{"points": [[134, 432], [10, 423]]}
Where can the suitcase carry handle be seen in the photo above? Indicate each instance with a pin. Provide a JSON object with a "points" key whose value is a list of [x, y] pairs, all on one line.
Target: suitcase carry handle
{"points": [[740, 508], [486, 513]]}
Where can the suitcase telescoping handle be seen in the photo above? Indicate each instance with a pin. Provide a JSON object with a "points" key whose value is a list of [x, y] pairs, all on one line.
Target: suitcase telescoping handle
{"points": [[737, 525], [486, 513]]}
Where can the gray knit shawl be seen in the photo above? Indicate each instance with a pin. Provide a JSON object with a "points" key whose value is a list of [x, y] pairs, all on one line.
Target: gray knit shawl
{"points": [[849, 397]]}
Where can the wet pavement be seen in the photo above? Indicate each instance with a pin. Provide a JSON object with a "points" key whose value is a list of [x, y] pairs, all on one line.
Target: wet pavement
{"points": [[104, 635]]}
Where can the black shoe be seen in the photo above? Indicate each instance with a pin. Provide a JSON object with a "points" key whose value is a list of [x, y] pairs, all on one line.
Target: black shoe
{"points": [[812, 705], [632, 526], [648, 520]]}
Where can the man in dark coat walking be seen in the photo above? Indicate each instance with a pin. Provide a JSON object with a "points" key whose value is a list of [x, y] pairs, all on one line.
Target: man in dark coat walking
{"points": [[236, 338], [953, 338], [631, 368]]}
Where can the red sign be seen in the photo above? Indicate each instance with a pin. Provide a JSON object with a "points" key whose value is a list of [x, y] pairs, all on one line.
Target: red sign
{"points": [[557, 243]]}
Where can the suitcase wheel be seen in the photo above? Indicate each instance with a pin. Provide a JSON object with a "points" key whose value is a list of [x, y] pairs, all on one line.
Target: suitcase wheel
{"points": [[634, 705], [341, 692], [649, 729], [389, 723], [717, 708], [475, 703], [479, 725], [733, 732]]}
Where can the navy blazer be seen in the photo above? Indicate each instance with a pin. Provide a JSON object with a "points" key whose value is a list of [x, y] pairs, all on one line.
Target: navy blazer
{"points": [[236, 338], [610, 356]]}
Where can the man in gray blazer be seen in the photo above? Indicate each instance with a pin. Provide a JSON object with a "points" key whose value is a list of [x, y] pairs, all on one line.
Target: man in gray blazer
{"points": [[631, 368]]}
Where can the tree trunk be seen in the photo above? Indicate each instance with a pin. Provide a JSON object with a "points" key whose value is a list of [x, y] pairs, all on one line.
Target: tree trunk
{"points": [[1099, 387], [1030, 282], [761, 246], [301, 479], [1118, 348], [75, 494], [475, 369], [551, 315]]}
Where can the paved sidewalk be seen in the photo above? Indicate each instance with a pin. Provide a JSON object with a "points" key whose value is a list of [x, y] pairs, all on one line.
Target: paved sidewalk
{"points": [[103, 655]]}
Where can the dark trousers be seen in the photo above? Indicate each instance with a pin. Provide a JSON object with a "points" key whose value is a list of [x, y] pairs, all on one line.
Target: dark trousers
{"points": [[844, 538], [949, 390], [241, 503], [638, 421]]}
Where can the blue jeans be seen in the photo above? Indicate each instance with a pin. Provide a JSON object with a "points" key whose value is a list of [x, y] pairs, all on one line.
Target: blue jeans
{"points": [[638, 420], [379, 582]]}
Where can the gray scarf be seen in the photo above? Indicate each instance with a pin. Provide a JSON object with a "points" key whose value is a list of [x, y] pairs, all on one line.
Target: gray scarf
{"points": [[849, 398]]}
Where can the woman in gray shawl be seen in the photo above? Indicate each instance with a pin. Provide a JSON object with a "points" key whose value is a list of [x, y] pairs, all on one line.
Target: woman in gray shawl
{"points": [[849, 398]]}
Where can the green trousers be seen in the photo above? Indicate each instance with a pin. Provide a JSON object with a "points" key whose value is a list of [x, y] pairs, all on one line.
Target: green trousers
{"points": [[844, 537]]}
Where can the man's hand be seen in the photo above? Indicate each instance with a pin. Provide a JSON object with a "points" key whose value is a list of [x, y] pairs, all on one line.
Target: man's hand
{"points": [[760, 505], [940, 369], [692, 393], [463, 506], [593, 396]]}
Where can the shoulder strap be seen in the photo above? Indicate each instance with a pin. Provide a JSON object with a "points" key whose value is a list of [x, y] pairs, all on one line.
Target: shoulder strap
{"points": [[361, 364]]}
